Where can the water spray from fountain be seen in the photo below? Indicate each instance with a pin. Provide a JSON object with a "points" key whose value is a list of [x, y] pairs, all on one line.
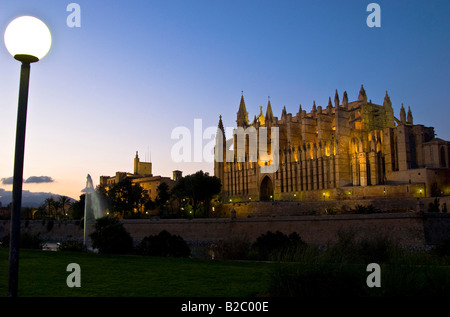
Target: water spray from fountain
{"points": [[93, 207]]}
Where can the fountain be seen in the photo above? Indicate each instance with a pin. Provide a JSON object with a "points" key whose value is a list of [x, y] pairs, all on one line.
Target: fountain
{"points": [[93, 207]]}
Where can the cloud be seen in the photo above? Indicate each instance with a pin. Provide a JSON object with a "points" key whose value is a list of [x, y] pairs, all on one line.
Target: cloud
{"points": [[7, 181], [29, 180], [39, 179]]}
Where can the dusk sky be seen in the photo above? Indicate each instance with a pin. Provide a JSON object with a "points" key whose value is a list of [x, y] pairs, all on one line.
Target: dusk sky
{"points": [[136, 70]]}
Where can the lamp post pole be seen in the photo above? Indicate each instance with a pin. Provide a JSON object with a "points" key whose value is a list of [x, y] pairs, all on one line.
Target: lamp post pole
{"points": [[18, 180], [28, 39]]}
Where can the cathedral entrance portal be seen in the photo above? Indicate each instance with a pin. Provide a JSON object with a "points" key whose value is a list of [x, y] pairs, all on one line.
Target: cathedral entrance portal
{"points": [[266, 189]]}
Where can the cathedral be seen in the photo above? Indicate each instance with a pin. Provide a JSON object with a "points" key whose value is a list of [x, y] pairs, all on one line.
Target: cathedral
{"points": [[344, 150]]}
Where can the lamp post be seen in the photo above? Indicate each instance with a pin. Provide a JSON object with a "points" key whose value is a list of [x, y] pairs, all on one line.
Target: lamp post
{"points": [[27, 39]]}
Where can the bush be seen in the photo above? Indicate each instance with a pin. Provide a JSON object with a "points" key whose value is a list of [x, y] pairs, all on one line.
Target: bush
{"points": [[231, 249], [111, 237], [442, 249], [318, 280], [50, 224], [163, 244], [71, 245], [276, 245], [350, 250], [371, 209], [27, 241], [434, 206]]}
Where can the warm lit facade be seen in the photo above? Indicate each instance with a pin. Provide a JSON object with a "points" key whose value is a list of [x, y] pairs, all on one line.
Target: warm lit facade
{"points": [[143, 176], [344, 150]]}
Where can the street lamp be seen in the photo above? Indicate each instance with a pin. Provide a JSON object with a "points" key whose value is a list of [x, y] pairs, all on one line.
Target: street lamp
{"points": [[28, 40]]}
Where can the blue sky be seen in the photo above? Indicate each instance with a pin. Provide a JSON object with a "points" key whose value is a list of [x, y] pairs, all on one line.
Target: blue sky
{"points": [[135, 70]]}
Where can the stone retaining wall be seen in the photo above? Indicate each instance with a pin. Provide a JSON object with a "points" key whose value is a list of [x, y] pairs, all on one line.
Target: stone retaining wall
{"points": [[408, 229]]}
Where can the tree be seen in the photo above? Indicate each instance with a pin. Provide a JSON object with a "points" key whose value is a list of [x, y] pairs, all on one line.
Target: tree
{"points": [[164, 244], [434, 206], [49, 206], [127, 198], [76, 210], [163, 196], [104, 196], [198, 188], [110, 236], [64, 202]]}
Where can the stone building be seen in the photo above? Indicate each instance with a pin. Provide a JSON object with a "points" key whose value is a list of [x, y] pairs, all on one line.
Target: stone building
{"points": [[345, 150], [143, 176]]}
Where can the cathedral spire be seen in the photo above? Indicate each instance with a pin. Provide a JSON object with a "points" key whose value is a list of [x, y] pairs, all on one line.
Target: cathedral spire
{"points": [[220, 125], [221, 142], [300, 111], [388, 111], [330, 105], [283, 112], [336, 99], [387, 101], [260, 119], [402, 115], [314, 109], [362, 94], [409, 118], [269, 113], [345, 100], [242, 114]]}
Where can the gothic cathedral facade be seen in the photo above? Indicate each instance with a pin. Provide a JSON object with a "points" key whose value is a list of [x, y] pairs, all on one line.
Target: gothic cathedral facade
{"points": [[346, 150]]}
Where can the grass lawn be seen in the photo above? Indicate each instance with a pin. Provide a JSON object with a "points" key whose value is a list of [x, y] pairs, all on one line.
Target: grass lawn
{"points": [[43, 273]]}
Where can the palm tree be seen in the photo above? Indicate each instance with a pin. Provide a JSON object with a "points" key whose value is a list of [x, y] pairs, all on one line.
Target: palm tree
{"points": [[56, 208], [49, 205], [64, 201]]}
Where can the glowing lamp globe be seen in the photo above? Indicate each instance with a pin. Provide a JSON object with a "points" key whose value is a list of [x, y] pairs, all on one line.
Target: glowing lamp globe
{"points": [[28, 39]]}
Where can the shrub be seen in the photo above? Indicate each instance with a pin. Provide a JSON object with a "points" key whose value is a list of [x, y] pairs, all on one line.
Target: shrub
{"points": [[70, 245], [378, 250], [110, 236], [27, 241], [442, 249], [50, 224], [275, 245], [164, 244], [348, 249], [345, 249], [319, 280], [434, 206], [231, 249], [370, 209]]}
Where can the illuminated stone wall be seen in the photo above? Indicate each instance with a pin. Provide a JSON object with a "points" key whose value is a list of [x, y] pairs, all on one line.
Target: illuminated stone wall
{"points": [[408, 229]]}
